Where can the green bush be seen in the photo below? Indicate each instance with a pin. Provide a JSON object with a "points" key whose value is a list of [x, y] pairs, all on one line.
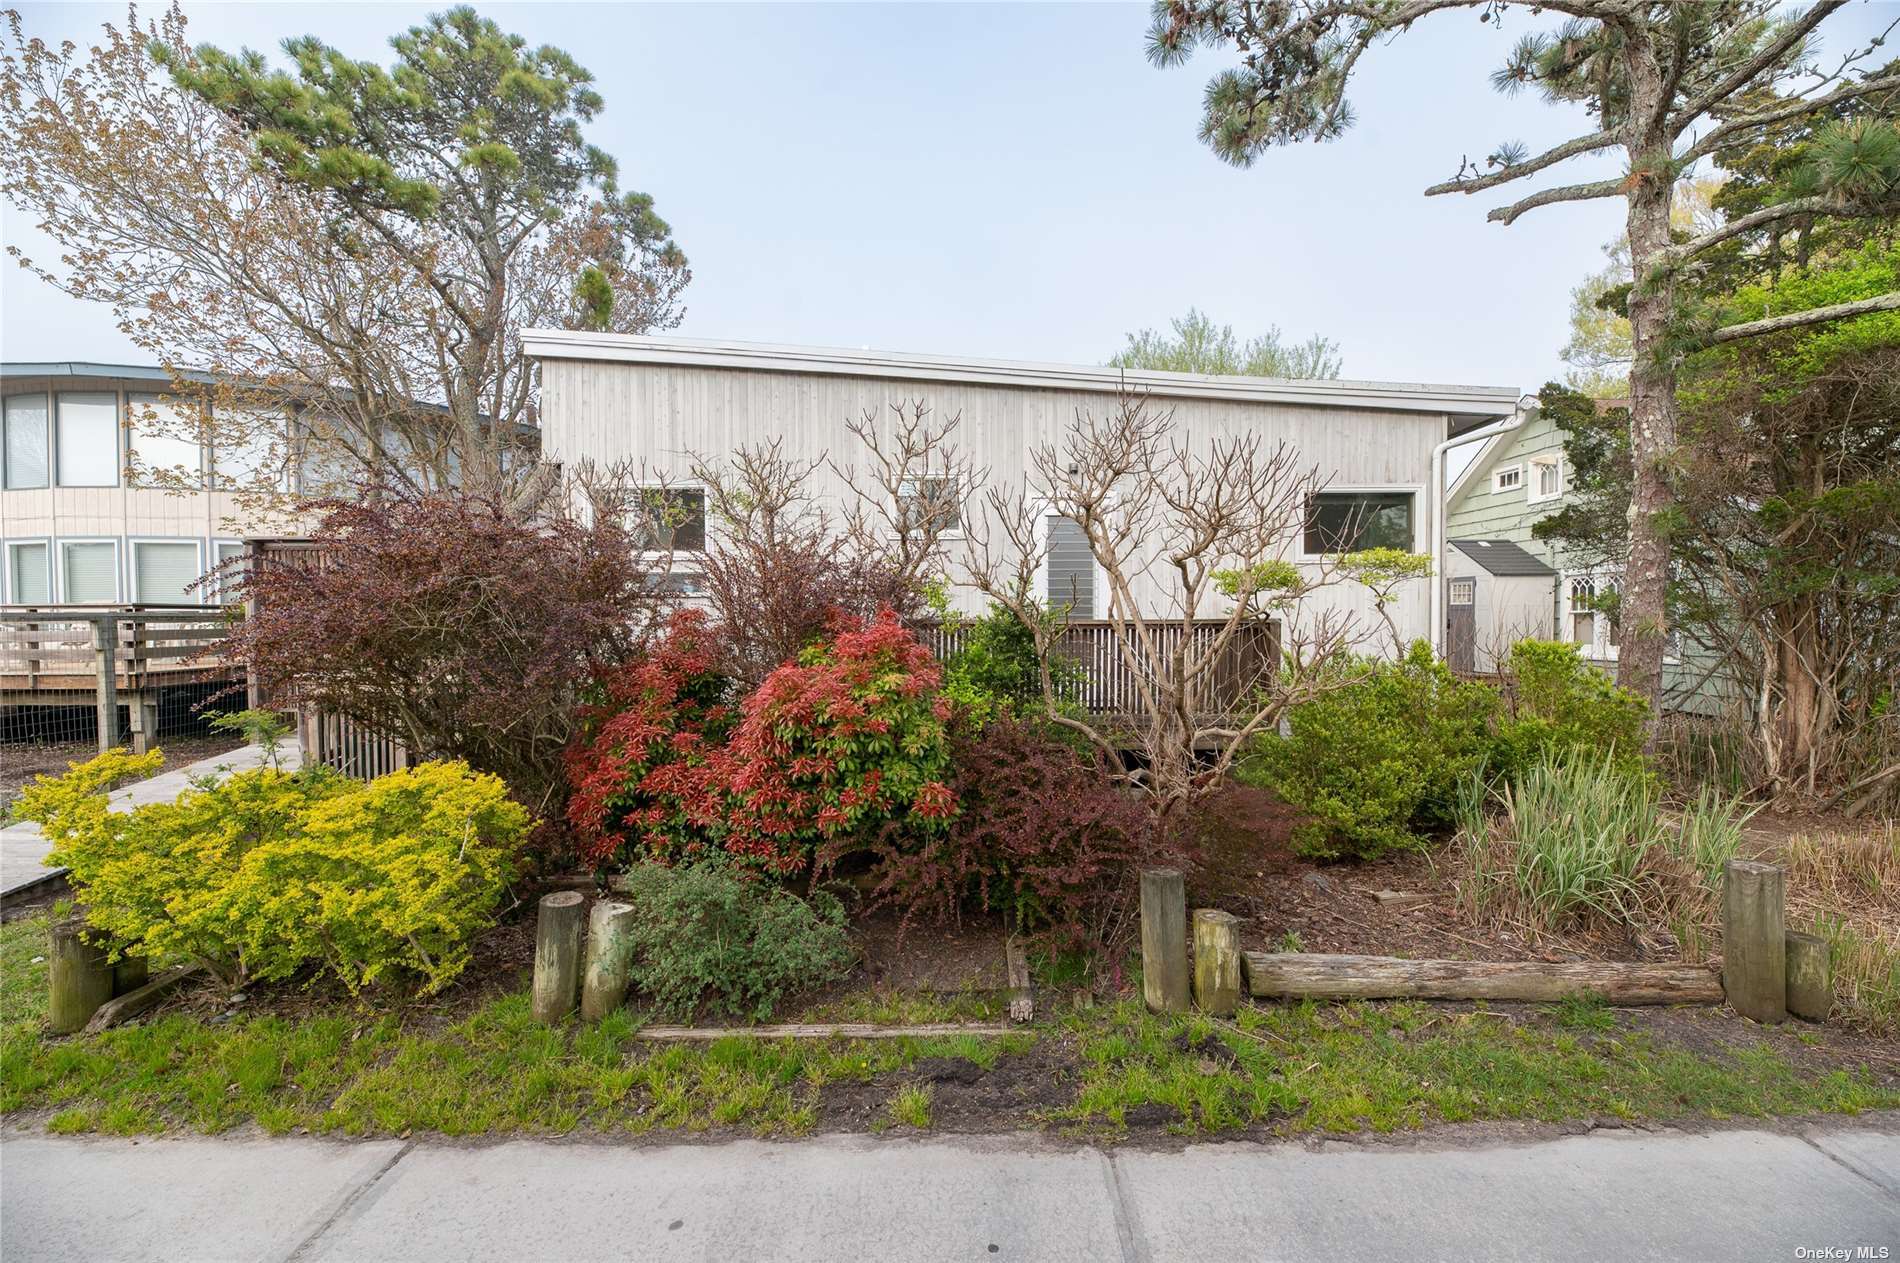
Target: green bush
{"points": [[1557, 702], [1378, 759], [266, 873], [705, 936], [995, 672]]}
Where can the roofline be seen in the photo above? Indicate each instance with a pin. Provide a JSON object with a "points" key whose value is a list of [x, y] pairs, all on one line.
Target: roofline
{"points": [[83, 368], [1461, 401]]}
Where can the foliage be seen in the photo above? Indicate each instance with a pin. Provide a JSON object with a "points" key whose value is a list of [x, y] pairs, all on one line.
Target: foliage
{"points": [[266, 728], [452, 626], [707, 936], [638, 767], [1558, 701], [996, 670], [267, 873], [352, 247], [1043, 834], [1379, 758], [1198, 345], [846, 740], [1380, 571]]}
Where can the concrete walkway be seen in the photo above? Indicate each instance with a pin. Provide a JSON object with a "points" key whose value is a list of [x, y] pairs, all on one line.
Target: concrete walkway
{"points": [[23, 850], [1605, 1195]]}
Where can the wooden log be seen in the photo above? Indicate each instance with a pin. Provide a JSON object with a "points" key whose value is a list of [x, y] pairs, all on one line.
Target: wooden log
{"points": [[1755, 940], [78, 978], [1295, 975], [129, 973], [819, 1030], [1164, 963], [557, 955], [123, 1008], [609, 958], [1216, 961], [1022, 997], [1810, 977]]}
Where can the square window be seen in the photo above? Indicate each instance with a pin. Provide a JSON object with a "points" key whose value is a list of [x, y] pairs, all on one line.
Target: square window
{"points": [[669, 519], [1353, 521], [89, 573], [163, 572], [160, 432], [924, 503]]}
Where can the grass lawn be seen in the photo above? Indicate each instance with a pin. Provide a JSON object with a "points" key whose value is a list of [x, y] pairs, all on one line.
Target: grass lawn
{"points": [[1097, 1071]]}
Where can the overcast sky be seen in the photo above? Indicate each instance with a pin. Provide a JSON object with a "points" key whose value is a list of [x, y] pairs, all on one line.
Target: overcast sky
{"points": [[1012, 181]]}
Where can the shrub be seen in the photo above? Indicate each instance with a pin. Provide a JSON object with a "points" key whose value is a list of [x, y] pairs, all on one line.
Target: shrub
{"points": [[1558, 701], [707, 936], [1042, 834], [639, 768], [848, 740], [451, 625], [995, 670], [1375, 760], [266, 873]]}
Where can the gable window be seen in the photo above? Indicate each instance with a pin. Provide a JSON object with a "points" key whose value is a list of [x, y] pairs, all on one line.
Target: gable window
{"points": [[89, 572], [29, 578], [1353, 521], [25, 448], [669, 519], [1508, 479], [929, 502], [1547, 478], [87, 440]]}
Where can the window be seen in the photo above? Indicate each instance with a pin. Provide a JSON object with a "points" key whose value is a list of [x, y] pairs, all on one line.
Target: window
{"points": [[251, 452], [89, 573], [1508, 479], [1352, 521], [163, 572], [1547, 478], [158, 430], [1070, 569], [1583, 613], [88, 440], [925, 502], [1464, 591], [25, 446], [29, 581], [227, 555], [669, 519]]}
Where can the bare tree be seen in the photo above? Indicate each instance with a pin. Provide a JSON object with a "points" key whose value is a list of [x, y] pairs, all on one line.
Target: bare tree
{"points": [[910, 494], [1192, 541]]}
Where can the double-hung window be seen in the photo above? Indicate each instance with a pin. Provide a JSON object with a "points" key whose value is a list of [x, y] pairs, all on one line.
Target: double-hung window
{"points": [[89, 572]]}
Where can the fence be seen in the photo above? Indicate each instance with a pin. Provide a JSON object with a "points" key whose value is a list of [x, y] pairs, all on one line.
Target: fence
{"points": [[65, 660]]}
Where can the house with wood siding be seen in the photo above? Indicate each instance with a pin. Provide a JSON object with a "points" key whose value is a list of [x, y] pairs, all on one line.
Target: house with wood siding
{"points": [[656, 402]]}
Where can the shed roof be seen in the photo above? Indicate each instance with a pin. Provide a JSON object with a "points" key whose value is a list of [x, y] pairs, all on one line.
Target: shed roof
{"points": [[1502, 557]]}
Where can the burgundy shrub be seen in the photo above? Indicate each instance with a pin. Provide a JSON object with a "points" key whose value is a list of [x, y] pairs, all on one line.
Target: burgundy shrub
{"points": [[452, 626]]}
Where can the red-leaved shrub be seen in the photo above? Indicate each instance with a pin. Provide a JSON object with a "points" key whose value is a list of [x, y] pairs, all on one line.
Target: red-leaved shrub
{"points": [[640, 766], [1043, 834], [847, 740]]}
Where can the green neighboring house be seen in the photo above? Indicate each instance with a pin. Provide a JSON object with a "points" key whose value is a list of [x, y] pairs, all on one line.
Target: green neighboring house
{"points": [[1502, 585]]}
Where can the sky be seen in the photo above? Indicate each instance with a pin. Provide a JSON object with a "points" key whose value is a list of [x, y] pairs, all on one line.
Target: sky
{"points": [[1012, 181]]}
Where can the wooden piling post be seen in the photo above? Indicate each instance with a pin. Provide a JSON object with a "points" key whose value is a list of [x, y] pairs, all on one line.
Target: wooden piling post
{"points": [[78, 978], [129, 974], [1216, 962], [1164, 963], [609, 958], [105, 648], [1754, 940], [1810, 977], [557, 955]]}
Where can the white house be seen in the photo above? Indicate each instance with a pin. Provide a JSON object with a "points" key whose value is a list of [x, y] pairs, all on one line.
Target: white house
{"points": [[652, 401]]}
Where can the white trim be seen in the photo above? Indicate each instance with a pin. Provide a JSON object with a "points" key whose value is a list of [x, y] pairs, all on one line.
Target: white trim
{"points": [[568, 344], [1412, 489], [1499, 474], [6, 569], [118, 565], [1531, 464], [132, 543]]}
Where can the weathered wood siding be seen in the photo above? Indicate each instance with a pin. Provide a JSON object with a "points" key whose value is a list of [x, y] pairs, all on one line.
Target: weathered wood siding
{"points": [[655, 415]]}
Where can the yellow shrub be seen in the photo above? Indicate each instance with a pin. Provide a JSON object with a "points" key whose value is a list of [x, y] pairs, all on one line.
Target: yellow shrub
{"points": [[266, 873]]}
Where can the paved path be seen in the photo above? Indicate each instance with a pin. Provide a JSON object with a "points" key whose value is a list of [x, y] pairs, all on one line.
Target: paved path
{"points": [[23, 850], [1605, 1195]]}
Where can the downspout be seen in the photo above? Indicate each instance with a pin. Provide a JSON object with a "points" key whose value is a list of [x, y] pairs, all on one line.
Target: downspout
{"points": [[1526, 405]]}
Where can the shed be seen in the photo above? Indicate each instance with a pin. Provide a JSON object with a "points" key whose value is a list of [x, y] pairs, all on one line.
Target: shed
{"points": [[1496, 592]]}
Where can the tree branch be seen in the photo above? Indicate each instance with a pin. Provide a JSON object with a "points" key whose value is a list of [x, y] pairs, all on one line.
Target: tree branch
{"points": [[1517, 170], [1798, 319], [1507, 215], [1708, 144], [1744, 74]]}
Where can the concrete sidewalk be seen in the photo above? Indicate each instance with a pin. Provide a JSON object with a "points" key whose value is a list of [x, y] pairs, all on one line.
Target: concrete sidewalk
{"points": [[1605, 1195], [23, 851]]}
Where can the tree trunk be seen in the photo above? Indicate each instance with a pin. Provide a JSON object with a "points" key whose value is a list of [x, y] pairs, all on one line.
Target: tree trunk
{"points": [[1644, 617]]}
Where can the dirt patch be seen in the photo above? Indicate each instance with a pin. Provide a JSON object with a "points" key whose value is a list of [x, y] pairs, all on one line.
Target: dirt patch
{"points": [[965, 1098], [926, 957], [21, 762]]}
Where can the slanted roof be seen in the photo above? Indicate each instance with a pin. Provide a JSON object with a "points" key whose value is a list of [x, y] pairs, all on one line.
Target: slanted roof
{"points": [[1466, 406], [1502, 557]]}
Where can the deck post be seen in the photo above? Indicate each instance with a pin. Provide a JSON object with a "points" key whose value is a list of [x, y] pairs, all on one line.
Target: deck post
{"points": [[105, 644], [1755, 940]]}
